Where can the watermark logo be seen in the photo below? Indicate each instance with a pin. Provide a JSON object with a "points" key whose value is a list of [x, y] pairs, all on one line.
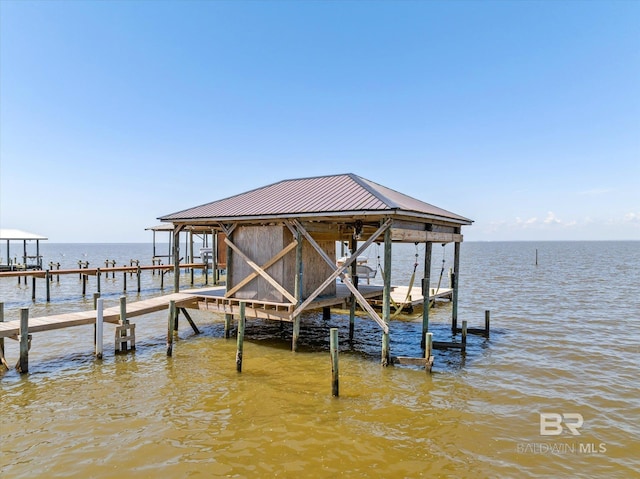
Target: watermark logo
{"points": [[556, 424], [553, 424]]}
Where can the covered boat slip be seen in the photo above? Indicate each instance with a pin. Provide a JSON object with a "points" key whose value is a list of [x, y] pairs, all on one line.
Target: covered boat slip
{"points": [[29, 261], [281, 246]]}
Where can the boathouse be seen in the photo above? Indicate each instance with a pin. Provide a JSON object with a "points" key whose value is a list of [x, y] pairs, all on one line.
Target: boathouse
{"points": [[29, 261], [281, 246]]}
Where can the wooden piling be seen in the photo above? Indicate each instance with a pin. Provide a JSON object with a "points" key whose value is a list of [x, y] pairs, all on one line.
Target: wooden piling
{"points": [[124, 281], [95, 327], [99, 327], [98, 274], [353, 246], [23, 362], [170, 326], [487, 320], [122, 331], [297, 291], [426, 282], [386, 298], [123, 310], [138, 275], [84, 285], [428, 352], [2, 358], [33, 282], [47, 277], [240, 344], [335, 379], [456, 281], [464, 335]]}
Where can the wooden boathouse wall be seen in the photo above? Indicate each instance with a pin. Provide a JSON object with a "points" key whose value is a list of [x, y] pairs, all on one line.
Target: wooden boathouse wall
{"points": [[263, 242]]}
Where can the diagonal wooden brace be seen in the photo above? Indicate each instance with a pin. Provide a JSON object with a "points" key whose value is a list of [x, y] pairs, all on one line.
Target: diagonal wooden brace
{"points": [[261, 272], [339, 271], [264, 267]]}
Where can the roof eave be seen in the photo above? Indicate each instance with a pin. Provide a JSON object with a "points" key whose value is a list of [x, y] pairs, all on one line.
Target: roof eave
{"points": [[318, 215]]}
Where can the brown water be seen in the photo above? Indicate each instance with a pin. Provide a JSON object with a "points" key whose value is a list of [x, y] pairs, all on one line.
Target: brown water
{"points": [[564, 340]]}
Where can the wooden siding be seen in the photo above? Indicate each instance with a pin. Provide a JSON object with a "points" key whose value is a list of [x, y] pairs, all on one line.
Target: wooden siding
{"points": [[260, 244]]}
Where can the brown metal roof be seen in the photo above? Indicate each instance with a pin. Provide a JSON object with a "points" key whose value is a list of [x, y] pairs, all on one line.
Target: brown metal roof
{"points": [[347, 193]]}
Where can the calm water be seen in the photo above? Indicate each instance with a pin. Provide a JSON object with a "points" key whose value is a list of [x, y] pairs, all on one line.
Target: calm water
{"points": [[565, 339]]}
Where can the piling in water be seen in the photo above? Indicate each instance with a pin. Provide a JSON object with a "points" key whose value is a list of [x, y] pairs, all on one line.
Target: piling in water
{"points": [[170, 326], [335, 381], [23, 362], [99, 327], [240, 344]]}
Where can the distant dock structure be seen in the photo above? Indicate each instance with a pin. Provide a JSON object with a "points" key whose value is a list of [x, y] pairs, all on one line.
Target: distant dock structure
{"points": [[28, 261]]}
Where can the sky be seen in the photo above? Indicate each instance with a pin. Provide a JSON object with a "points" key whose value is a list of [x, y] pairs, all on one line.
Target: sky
{"points": [[521, 115]]}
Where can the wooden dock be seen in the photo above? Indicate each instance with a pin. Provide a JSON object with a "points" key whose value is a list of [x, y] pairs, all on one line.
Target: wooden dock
{"points": [[212, 299], [208, 299], [11, 329]]}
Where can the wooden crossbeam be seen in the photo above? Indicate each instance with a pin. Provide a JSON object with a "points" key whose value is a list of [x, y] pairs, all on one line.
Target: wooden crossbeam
{"points": [[261, 272], [264, 267], [339, 271]]}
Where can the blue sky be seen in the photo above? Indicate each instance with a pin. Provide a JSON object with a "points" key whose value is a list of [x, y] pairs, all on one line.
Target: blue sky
{"points": [[523, 116]]}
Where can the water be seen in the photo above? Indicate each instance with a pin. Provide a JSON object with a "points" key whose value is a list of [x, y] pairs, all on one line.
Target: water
{"points": [[564, 340]]}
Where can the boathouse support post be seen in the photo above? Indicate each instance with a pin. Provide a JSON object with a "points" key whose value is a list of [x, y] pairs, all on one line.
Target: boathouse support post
{"points": [[99, 327], [426, 283], [386, 297], [335, 377], [455, 280], [23, 362], [297, 291], [240, 343], [176, 258], [190, 259], [353, 245], [214, 257], [170, 327]]}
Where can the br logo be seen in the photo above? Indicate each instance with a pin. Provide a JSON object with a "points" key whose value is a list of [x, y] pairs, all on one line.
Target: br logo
{"points": [[552, 424]]}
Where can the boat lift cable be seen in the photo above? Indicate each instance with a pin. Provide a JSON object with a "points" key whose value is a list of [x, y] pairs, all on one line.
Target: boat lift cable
{"points": [[409, 288], [431, 303]]}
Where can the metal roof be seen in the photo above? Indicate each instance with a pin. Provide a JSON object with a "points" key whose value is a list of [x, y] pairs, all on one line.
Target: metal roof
{"points": [[347, 193], [15, 235]]}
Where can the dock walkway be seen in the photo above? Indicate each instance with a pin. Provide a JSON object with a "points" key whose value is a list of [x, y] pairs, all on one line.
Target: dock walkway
{"points": [[11, 329]]}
